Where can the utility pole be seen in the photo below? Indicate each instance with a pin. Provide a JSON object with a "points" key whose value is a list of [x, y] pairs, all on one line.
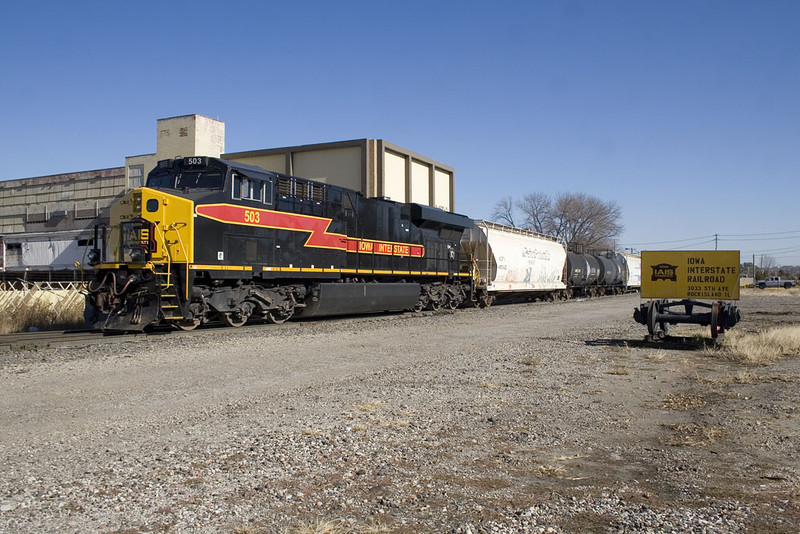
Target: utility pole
{"points": [[716, 236]]}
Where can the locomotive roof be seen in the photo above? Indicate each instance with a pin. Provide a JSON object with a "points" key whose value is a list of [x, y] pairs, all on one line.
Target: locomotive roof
{"points": [[250, 170]]}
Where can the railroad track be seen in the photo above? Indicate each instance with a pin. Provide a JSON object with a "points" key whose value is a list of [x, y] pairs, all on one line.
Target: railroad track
{"points": [[47, 339], [65, 338]]}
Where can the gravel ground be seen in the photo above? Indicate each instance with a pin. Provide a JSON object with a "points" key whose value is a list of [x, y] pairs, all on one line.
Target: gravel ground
{"points": [[540, 417]]}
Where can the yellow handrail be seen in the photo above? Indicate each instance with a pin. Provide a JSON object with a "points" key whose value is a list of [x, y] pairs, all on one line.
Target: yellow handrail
{"points": [[165, 247], [175, 226]]}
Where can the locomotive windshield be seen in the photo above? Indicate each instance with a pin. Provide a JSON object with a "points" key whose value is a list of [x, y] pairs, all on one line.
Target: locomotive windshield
{"points": [[199, 180], [187, 180]]}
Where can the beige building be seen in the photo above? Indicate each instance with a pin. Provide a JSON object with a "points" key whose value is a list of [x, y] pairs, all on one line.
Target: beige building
{"points": [[375, 167], [73, 202]]}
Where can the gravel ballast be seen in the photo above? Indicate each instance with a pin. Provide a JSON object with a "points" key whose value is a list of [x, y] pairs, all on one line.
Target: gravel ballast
{"points": [[535, 417]]}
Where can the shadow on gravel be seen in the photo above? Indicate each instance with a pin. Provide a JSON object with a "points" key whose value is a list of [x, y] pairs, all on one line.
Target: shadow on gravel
{"points": [[667, 343]]}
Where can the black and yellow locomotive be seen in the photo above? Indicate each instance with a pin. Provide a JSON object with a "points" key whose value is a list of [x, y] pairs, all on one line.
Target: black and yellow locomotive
{"points": [[208, 239]]}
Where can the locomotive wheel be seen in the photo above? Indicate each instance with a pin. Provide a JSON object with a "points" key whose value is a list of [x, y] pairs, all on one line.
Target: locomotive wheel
{"points": [[188, 324], [234, 319], [436, 305], [277, 317], [452, 303]]}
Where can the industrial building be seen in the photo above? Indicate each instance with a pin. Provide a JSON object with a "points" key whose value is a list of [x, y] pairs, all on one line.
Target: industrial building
{"points": [[46, 221]]}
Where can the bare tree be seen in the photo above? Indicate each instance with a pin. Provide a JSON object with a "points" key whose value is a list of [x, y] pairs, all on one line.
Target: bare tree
{"points": [[504, 211], [583, 221], [536, 209], [767, 266], [586, 221]]}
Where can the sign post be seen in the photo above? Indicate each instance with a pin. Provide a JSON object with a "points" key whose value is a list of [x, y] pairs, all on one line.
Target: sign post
{"points": [[691, 276]]}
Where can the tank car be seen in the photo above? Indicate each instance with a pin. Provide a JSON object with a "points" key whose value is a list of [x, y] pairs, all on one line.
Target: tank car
{"points": [[582, 273], [591, 275], [209, 239]]}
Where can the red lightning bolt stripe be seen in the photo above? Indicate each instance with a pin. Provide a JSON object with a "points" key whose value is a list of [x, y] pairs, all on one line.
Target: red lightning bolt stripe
{"points": [[316, 226]]}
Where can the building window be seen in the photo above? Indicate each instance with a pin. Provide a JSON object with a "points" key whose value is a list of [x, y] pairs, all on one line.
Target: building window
{"points": [[135, 176]]}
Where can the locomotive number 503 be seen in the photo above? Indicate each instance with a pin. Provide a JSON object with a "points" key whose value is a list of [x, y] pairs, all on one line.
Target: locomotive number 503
{"points": [[251, 216]]}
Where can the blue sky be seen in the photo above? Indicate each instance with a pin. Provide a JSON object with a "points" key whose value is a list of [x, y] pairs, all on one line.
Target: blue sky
{"points": [[684, 112]]}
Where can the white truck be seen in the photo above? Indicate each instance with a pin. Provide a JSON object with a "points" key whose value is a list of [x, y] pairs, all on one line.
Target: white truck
{"points": [[775, 281]]}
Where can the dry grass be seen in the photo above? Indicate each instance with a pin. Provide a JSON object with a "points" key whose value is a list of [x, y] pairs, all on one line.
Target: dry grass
{"points": [[771, 292], [531, 361], [323, 526], [41, 315], [619, 370], [550, 471], [682, 402], [742, 377], [761, 348], [656, 356], [694, 435], [319, 526], [369, 407]]}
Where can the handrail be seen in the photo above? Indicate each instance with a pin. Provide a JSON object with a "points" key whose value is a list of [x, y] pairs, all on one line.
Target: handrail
{"points": [[174, 226], [165, 247]]}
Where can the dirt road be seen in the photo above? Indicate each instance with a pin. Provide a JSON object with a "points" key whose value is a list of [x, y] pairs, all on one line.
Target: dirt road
{"points": [[519, 418]]}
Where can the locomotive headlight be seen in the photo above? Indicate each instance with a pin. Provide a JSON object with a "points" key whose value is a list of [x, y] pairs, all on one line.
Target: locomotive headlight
{"points": [[137, 255]]}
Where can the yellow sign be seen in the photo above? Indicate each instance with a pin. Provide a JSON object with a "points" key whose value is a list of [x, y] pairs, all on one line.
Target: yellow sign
{"points": [[690, 274]]}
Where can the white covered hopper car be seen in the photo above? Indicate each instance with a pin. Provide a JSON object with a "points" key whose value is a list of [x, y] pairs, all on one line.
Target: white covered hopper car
{"points": [[516, 262]]}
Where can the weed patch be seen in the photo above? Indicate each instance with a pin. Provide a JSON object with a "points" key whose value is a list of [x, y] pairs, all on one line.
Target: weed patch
{"points": [[760, 348]]}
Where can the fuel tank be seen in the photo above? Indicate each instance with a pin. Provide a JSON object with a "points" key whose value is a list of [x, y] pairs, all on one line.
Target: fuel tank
{"points": [[355, 298]]}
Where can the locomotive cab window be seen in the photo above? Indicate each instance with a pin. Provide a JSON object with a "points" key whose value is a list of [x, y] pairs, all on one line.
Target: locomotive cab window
{"points": [[251, 189]]}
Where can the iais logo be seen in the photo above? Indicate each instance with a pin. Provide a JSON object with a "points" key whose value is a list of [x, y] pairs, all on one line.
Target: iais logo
{"points": [[664, 271]]}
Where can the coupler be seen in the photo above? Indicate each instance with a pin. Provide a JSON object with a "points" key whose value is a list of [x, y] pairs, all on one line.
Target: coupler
{"points": [[658, 314]]}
